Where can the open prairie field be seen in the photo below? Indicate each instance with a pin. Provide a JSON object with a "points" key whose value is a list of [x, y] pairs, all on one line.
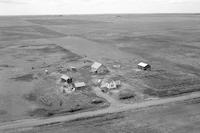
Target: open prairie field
{"points": [[31, 45], [171, 118]]}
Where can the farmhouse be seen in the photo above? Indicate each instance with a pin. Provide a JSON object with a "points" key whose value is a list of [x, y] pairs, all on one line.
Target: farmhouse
{"points": [[144, 66], [111, 85], [65, 78], [79, 85], [98, 68]]}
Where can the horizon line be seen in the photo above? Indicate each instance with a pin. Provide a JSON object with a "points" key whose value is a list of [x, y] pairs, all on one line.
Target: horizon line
{"points": [[91, 14]]}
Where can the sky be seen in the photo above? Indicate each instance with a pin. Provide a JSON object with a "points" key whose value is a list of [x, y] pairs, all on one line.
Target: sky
{"points": [[43, 7]]}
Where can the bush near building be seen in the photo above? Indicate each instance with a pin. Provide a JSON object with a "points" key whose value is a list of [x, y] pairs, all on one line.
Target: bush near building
{"points": [[126, 94]]}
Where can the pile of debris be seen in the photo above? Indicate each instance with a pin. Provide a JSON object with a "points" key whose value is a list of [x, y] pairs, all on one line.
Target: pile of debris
{"points": [[67, 88]]}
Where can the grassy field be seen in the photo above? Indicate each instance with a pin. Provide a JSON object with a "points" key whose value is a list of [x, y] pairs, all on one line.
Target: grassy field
{"points": [[29, 45], [172, 118]]}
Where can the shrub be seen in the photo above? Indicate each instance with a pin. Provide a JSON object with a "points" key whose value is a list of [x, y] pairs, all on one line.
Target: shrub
{"points": [[126, 94]]}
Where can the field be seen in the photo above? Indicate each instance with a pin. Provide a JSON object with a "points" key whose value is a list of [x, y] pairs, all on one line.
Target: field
{"points": [[172, 118], [29, 45]]}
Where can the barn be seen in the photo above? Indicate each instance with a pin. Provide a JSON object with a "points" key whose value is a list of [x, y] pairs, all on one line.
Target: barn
{"points": [[98, 68], [95, 66]]}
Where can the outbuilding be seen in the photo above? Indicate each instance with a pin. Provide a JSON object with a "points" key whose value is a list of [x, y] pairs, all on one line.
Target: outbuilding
{"points": [[79, 85], [65, 78], [144, 66], [95, 66], [98, 68]]}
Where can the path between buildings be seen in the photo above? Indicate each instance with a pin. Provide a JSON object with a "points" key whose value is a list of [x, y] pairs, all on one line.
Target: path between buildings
{"points": [[112, 109]]}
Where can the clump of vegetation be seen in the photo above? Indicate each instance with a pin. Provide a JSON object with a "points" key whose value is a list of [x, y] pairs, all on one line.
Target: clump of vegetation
{"points": [[126, 94], [97, 101]]}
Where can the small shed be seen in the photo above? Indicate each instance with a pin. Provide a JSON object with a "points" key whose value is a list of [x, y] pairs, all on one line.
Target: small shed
{"points": [[99, 68], [65, 78], [79, 85], [144, 66]]}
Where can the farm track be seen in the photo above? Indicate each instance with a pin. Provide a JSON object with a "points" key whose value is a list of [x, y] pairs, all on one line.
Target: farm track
{"points": [[27, 123]]}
